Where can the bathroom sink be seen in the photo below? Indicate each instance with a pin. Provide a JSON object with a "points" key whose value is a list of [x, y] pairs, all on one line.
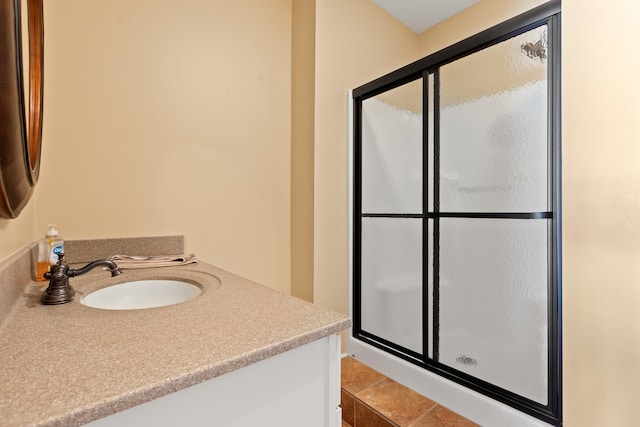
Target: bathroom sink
{"points": [[142, 294]]}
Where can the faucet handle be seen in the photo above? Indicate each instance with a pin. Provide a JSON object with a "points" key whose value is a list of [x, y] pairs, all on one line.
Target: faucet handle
{"points": [[59, 290], [60, 265]]}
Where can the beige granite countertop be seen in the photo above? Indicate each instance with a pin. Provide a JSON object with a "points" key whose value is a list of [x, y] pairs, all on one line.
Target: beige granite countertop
{"points": [[70, 364]]}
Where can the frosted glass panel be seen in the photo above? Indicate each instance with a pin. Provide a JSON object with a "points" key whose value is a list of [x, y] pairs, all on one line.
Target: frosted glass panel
{"points": [[391, 280], [493, 301], [493, 130], [392, 151]]}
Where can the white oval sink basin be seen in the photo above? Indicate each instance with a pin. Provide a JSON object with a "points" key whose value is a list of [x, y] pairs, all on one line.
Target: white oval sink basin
{"points": [[142, 294]]}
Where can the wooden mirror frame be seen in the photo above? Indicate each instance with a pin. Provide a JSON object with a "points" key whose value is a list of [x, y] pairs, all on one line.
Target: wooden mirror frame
{"points": [[20, 128]]}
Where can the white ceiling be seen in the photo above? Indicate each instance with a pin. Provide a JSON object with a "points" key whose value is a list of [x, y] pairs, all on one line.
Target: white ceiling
{"points": [[422, 14]]}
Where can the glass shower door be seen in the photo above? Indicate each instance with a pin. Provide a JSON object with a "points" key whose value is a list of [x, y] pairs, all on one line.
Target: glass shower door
{"points": [[391, 203], [456, 215], [494, 214]]}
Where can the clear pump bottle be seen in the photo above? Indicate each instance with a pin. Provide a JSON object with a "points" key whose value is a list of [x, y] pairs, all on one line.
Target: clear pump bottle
{"points": [[48, 249]]}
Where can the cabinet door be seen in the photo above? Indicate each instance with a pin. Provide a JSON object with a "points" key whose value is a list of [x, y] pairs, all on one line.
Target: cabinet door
{"points": [[300, 387]]}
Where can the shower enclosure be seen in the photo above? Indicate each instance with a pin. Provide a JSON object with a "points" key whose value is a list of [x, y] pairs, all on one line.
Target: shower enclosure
{"points": [[456, 216]]}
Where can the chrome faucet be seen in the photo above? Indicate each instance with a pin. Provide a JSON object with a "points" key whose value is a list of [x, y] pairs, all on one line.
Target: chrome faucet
{"points": [[59, 290]]}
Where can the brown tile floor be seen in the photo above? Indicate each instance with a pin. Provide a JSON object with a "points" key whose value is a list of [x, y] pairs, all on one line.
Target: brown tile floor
{"points": [[369, 399]]}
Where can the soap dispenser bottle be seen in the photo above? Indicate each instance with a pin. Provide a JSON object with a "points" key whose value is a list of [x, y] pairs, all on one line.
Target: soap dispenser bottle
{"points": [[49, 248]]}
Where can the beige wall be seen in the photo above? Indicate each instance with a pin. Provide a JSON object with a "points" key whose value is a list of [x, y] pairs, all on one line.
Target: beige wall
{"points": [[17, 233], [303, 53], [165, 117], [601, 154]]}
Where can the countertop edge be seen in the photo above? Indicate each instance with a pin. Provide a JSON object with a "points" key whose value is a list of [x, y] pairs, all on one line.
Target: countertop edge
{"points": [[140, 396]]}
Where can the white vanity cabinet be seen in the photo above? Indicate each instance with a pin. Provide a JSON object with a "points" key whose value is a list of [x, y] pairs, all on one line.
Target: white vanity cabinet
{"points": [[238, 355], [298, 388]]}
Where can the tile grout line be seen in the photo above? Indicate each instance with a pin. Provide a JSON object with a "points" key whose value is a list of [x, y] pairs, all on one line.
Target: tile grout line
{"points": [[386, 418], [424, 414], [370, 406], [374, 409]]}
